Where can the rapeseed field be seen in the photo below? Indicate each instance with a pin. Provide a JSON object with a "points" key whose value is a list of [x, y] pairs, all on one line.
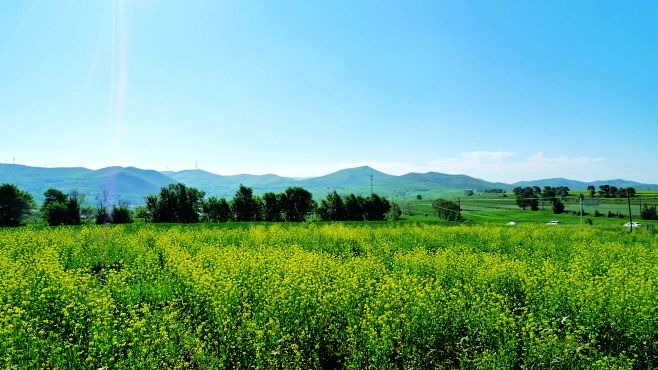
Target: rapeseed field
{"points": [[327, 296]]}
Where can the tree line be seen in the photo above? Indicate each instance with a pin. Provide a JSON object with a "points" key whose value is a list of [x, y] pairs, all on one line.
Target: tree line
{"points": [[178, 203], [529, 197], [608, 191]]}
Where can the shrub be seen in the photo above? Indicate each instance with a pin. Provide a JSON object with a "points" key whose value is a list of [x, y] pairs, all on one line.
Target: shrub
{"points": [[121, 214]]}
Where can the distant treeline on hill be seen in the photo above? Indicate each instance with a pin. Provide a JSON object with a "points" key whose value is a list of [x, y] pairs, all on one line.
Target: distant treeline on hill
{"points": [[177, 203]]}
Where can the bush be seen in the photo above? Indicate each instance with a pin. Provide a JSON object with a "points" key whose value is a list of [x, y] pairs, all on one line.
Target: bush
{"points": [[648, 213], [59, 209], [558, 207], [121, 214], [102, 216]]}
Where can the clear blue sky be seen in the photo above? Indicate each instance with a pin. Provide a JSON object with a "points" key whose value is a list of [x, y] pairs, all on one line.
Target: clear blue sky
{"points": [[503, 90]]}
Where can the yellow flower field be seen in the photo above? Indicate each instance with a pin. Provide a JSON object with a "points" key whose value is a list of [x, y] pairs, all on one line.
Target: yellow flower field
{"points": [[327, 296]]}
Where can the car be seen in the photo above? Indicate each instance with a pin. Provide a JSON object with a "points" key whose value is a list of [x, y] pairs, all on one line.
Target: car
{"points": [[553, 223], [512, 223], [634, 224]]}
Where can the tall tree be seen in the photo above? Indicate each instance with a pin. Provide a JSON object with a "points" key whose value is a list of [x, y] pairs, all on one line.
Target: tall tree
{"points": [[15, 204], [376, 208], [354, 207], [175, 203], [272, 207], [527, 197], [216, 210], [592, 191], [244, 206], [332, 208], [297, 203], [59, 209]]}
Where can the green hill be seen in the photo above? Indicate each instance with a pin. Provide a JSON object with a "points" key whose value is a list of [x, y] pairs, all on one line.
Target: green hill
{"points": [[132, 184]]}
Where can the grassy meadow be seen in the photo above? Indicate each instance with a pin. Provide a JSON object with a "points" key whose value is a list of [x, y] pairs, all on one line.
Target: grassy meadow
{"points": [[379, 295]]}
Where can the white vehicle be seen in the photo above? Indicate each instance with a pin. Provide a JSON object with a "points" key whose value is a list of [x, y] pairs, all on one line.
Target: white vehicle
{"points": [[634, 224], [553, 223], [512, 223]]}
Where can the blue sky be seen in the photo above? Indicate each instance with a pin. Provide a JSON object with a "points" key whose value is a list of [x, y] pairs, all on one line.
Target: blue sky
{"points": [[502, 90]]}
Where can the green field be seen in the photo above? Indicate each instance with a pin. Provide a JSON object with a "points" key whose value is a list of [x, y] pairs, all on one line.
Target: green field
{"points": [[379, 295], [501, 210]]}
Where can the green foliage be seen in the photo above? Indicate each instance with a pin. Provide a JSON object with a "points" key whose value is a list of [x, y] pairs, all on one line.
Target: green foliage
{"points": [[527, 197], [375, 208], [608, 191], [330, 296], [244, 206], [446, 210], [297, 203], [15, 204], [649, 213], [216, 210], [332, 208], [121, 214], [59, 209], [558, 207], [272, 207], [175, 203], [354, 207], [103, 216]]}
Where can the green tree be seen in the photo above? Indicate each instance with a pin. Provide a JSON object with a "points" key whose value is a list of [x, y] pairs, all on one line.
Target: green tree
{"points": [[527, 197], [592, 191], [420, 197], [648, 213], [604, 191], [53, 195], [175, 203], [59, 209], [15, 204], [297, 203], [272, 207], [375, 208], [216, 210], [332, 208], [354, 207], [558, 207], [244, 206], [446, 210]]}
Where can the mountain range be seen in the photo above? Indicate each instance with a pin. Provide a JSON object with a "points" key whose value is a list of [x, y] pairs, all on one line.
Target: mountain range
{"points": [[132, 184]]}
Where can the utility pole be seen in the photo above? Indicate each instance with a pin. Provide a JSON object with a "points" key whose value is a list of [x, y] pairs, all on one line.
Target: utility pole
{"points": [[459, 209], [581, 210], [630, 216]]}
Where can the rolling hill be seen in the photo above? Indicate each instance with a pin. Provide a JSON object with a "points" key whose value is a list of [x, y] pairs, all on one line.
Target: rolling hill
{"points": [[132, 184]]}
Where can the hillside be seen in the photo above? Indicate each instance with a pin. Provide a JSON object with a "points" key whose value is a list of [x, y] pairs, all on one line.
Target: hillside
{"points": [[132, 184]]}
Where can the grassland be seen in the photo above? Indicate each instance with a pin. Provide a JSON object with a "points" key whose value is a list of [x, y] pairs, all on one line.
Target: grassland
{"points": [[322, 296], [498, 210]]}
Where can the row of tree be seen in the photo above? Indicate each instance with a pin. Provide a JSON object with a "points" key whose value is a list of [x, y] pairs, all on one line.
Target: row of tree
{"points": [[355, 208], [179, 203], [530, 196], [608, 191]]}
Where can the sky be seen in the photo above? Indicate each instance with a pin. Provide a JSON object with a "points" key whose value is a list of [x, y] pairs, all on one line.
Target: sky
{"points": [[500, 90]]}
